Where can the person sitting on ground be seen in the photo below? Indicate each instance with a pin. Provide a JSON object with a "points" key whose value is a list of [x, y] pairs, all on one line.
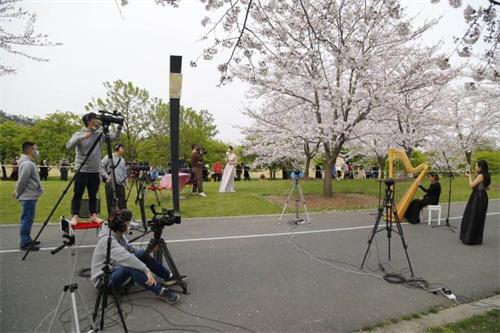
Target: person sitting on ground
{"points": [[431, 197], [128, 262]]}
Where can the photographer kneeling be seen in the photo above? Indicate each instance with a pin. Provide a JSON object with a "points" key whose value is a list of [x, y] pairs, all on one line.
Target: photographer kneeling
{"points": [[128, 262]]}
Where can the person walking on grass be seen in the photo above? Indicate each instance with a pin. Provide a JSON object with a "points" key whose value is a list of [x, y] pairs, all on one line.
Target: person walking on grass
{"points": [[28, 190]]}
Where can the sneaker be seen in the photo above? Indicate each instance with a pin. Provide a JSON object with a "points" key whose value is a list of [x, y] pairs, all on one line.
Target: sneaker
{"points": [[171, 281], [27, 247], [202, 194], [169, 297]]}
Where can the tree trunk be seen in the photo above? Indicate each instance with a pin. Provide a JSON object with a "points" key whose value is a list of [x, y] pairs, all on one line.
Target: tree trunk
{"points": [[4, 170], [381, 165], [468, 157], [327, 179], [308, 165]]}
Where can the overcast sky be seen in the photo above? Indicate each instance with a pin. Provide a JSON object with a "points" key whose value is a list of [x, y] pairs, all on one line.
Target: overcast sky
{"points": [[101, 45]]}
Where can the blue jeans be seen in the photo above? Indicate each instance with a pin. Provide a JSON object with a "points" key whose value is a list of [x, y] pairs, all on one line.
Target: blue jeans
{"points": [[121, 274], [27, 219]]}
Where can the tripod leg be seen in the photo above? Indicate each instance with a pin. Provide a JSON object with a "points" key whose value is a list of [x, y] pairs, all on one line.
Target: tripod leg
{"points": [[157, 198], [286, 203], [119, 309], [76, 322], [87, 311], [400, 231], [304, 203], [374, 231], [173, 267], [59, 303], [97, 303]]}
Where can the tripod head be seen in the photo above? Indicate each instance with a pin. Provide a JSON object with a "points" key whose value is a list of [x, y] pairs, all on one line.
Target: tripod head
{"points": [[68, 236], [166, 217]]}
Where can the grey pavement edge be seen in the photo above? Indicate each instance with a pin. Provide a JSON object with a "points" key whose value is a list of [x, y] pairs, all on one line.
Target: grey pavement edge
{"points": [[443, 317]]}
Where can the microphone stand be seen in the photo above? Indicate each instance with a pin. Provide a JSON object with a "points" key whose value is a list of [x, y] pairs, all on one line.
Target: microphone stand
{"points": [[447, 224]]}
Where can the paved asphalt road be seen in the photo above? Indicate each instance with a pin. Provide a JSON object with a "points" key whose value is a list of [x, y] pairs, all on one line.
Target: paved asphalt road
{"points": [[252, 274]]}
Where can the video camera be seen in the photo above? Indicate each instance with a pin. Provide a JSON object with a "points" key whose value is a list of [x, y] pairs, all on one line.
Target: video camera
{"points": [[297, 174], [166, 217], [138, 166], [108, 118]]}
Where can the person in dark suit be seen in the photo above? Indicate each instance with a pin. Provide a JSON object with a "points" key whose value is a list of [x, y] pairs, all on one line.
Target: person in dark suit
{"points": [[431, 197]]}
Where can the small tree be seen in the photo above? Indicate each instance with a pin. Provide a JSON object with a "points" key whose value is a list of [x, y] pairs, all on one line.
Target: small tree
{"points": [[133, 103]]}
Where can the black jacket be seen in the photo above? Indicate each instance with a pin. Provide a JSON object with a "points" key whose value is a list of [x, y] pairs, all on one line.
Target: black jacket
{"points": [[432, 193]]}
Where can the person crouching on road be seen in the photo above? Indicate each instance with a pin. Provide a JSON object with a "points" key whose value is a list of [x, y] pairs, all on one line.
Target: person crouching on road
{"points": [[129, 262], [28, 189]]}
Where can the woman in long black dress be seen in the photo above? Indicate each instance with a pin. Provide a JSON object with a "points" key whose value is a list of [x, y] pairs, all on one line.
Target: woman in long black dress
{"points": [[431, 197], [471, 230]]}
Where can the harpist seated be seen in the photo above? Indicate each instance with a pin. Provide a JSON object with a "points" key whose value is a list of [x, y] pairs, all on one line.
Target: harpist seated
{"points": [[431, 197]]}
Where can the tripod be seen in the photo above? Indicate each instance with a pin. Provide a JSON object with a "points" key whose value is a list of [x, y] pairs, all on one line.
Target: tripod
{"points": [[391, 213], [159, 247], [296, 188], [72, 288], [452, 178], [105, 132], [104, 286]]}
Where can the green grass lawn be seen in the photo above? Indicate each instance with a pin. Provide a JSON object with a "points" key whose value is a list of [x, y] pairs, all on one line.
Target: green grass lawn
{"points": [[487, 323], [250, 198]]}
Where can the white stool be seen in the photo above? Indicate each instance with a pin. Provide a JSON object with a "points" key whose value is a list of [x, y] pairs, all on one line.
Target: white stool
{"points": [[432, 208]]}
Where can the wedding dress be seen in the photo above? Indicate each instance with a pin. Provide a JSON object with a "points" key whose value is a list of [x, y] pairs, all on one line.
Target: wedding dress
{"points": [[227, 182]]}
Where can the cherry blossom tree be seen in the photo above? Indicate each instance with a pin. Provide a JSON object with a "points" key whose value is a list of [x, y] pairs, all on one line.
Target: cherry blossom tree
{"points": [[471, 116], [273, 138], [483, 24], [15, 42], [338, 62]]}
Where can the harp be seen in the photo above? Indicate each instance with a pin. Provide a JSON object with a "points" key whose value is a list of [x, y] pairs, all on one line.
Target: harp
{"points": [[418, 172]]}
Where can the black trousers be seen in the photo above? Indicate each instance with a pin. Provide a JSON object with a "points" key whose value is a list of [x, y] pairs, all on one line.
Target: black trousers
{"points": [[90, 181], [412, 214], [120, 195]]}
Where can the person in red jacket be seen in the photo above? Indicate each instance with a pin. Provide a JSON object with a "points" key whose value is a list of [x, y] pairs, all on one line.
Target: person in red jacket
{"points": [[217, 168]]}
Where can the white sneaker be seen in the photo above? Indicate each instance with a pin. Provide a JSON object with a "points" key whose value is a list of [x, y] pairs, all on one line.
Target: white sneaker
{"points": [[202, 194]]}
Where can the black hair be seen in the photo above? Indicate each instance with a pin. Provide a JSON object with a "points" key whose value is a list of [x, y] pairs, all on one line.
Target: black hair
{"points": [[88, 117], [485, 172], [434, 175], [27, 146], [231, 147], [118, 222], [118, 146]]}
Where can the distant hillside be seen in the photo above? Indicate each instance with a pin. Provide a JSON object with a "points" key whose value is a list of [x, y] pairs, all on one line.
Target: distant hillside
{"points": [[18, 119]]}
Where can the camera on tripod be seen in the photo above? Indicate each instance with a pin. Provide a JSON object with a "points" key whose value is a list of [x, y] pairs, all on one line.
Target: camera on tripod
{"points": [[107, 118], [297, 174], [138, 166], [166, 217]]}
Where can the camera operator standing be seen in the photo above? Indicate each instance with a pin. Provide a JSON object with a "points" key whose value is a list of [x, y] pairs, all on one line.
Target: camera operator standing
{"points": [[88, 177], [120, 168], [197, 165]]}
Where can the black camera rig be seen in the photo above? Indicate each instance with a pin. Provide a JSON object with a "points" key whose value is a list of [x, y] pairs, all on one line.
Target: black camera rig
{"points": [[166, 217], [107, 118]]}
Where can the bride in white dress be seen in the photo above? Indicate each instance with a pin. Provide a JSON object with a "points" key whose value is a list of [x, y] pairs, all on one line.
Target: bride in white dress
{"points": [[227, 182]]}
